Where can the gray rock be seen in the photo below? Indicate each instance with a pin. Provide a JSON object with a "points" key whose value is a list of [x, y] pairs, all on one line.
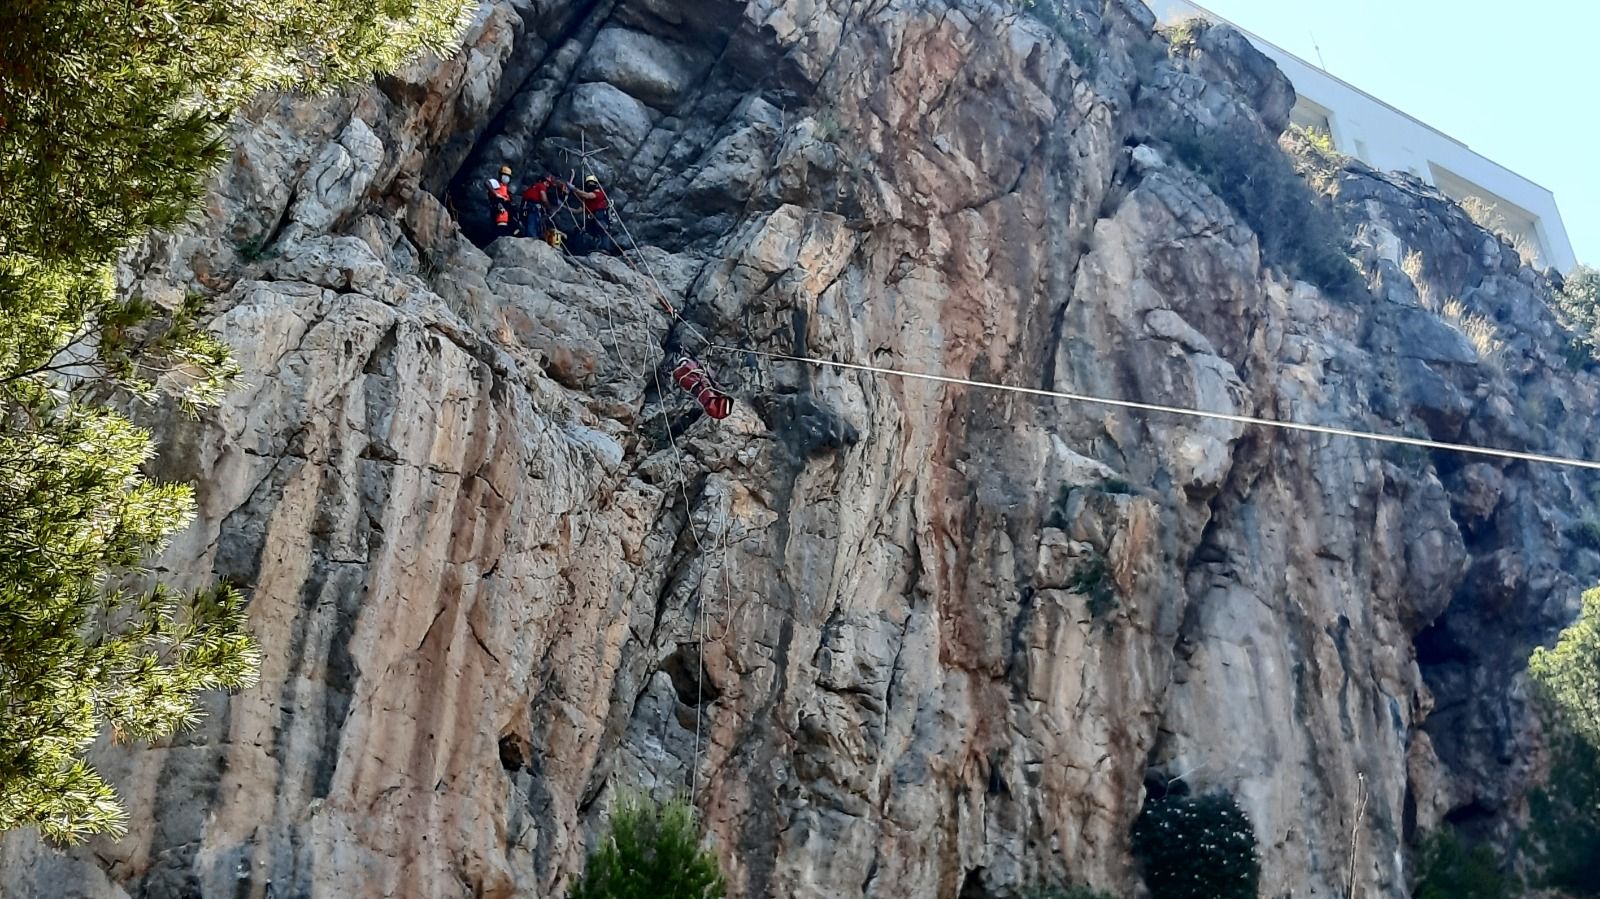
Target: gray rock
{"points": [[641, 65], [505, 571], [605, 116]]}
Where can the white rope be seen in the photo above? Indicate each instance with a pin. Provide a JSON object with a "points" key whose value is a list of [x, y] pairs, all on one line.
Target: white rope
{"points": [[660, 291], [1180, 410], [683, 490]]}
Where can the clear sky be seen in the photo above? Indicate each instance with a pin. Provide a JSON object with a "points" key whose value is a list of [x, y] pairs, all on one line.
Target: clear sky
{"points": [[1517, 82]]}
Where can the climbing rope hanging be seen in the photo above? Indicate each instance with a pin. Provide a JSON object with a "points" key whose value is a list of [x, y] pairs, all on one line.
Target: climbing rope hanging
{"points": [[683, 490], [700, 637]]}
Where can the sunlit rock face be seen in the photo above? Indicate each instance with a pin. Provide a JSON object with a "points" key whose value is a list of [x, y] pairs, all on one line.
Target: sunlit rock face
{"points": [[897, 638]]}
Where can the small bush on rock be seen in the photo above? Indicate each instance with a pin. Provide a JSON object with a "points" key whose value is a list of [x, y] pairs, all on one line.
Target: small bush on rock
{"points": [[651, 852], [1585, 533], [1092, 578], [1068, 24], [1450, 870], [1196, 848], [1578, 301]]}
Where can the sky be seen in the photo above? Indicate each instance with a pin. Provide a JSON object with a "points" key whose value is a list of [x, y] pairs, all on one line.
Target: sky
{"points": [[1517, 82]]}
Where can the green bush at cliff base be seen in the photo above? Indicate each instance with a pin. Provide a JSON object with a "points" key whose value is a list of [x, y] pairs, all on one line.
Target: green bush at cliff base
{"points": [[1563, 836], [1196, 848], [1449, 869], [110, 121], [650, 852]]}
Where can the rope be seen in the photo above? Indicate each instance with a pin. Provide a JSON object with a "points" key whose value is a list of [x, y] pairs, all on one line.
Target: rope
{"points": [[1180, 410], [699, 650], [648, 272], [684, 492]]}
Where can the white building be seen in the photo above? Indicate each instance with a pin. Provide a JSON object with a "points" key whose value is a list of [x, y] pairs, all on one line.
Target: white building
{"points": [[1387, 139]]}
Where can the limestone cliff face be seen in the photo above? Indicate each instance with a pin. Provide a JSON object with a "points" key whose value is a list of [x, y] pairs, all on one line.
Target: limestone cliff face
{"points": [[899, 638]]}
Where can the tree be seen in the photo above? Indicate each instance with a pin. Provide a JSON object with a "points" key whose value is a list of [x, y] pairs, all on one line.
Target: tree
{"points": [[1563, 836], [650, 852], [110, 122], [1196, 847], [1569, 674]]}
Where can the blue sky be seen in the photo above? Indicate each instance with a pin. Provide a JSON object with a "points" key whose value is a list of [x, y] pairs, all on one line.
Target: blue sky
{"points": [[1515, 81]]}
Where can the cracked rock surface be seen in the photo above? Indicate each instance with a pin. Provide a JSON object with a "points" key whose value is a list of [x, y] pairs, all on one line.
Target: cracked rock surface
{"points": [[902, 638]]}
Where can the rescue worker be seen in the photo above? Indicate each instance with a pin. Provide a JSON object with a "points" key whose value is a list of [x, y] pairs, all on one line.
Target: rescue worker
{"points": [[500, 204], [597, 207], [538, 208]]}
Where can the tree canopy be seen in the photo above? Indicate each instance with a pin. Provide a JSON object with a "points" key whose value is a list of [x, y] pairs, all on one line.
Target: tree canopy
{"points": [[111, 119], [1569, 674]]}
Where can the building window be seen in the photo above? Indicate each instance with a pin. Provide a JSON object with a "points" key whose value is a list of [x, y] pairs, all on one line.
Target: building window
{"points": [[1312, 116], [1496, 213]]}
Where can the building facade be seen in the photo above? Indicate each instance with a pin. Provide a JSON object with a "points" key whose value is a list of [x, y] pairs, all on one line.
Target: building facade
{"points": [[1387, 139]]}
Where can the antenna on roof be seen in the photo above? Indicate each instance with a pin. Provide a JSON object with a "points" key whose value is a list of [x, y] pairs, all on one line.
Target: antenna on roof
{"points": [[1320, 64]]}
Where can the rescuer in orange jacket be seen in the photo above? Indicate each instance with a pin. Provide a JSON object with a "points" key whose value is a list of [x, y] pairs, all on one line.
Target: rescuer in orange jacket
{"points": [[500, 210]]}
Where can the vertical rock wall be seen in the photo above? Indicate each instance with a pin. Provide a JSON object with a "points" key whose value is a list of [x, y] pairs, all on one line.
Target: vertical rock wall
{"points": [[898, 637]]}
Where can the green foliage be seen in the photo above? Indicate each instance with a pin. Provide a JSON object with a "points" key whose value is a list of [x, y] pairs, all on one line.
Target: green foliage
{"points": [[1450, 870], [650, 852], [1578, 302], [1196, 848], [1264, 190], [110, 121], [1092, 578], [1563, 838], [1068, 25], [1569, 674], [1183, 36], [1585, 533], [1319, 141]]}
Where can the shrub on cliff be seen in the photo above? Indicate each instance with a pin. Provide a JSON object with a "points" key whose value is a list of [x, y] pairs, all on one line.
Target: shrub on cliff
{"points": [[1262, 187], [650, 852], [1068, 24], [111, 118], [1192, 847], [1578, 301], [1449, 869]]}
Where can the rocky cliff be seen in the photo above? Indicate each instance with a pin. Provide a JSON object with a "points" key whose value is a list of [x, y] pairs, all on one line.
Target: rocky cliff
{"points": [[898, 638]]}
